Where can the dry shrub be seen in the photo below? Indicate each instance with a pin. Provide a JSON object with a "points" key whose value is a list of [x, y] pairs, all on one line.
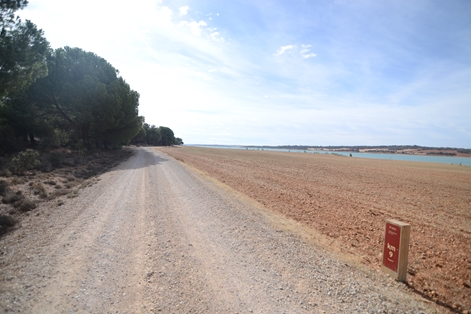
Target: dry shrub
{"points": [[7, 220], [12, 198], [3, 187], [19, 201], [19, 180], [72, 194], [39, 189], [61, 192], [71, 184], [5, 173], [25, 204]]}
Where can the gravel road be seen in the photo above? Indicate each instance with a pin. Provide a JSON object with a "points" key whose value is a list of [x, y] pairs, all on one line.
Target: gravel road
{"points": [[155, 236]]}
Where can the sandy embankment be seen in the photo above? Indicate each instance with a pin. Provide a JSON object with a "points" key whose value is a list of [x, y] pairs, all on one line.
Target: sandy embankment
{"points": [[349, 199]]}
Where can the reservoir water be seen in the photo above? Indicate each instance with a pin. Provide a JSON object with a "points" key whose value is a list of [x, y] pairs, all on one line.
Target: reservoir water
{"points": [[465, 161]]}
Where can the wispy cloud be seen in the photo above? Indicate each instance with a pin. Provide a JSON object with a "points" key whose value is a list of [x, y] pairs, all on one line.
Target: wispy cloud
{"points": [[304, 51], [216, 36], [284, 49]]}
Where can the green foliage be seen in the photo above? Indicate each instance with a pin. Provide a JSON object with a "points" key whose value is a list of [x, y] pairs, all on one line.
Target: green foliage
{"points": [[23, 50], [25, 160], [140, 137], [153, 136], [84, 93], [8, 9], [168, 137], [28, 121], [8, 137]]}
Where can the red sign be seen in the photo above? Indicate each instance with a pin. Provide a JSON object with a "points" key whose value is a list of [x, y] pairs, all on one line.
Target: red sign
{"points": [[391, 246]]}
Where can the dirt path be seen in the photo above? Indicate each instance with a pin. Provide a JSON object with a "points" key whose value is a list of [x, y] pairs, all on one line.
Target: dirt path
{"points": [[153, 236]]}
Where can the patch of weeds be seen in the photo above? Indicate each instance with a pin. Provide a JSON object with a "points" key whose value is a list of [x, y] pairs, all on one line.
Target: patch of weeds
{"points": [[58, 187], [3, 187], [61, 192], [93, 166], [12, 198], [50, 182], [25, 204], [5, 173], [7, 220], [70, 184], [72, 194], [60, 202], [18, 180], [88, 183], [39, 189]]}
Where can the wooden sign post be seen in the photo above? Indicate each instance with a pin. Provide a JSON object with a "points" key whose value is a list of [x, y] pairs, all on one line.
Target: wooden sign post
{"points": [[396, 249]]}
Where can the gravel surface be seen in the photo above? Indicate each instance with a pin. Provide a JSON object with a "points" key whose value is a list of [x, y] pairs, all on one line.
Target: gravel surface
{"points": [[154, 236]]}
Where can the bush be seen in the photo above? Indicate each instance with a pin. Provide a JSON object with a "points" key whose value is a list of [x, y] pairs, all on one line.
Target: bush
{"points": [[61, 192], [39, 189], [72, 194], [3, 187], [7, 220], [25, 160], [25, 205], [56, 160], [12, 198]]}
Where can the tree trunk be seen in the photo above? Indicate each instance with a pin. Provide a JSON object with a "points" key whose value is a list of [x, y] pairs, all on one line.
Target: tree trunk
{"points": [[86, 135], [32, 140]]}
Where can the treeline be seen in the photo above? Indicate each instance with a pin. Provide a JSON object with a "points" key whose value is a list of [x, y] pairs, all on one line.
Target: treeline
{"points": [[156, 136], [65, 97]]}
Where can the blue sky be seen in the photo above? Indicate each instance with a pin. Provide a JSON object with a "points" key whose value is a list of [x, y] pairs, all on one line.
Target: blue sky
{"points": [[284, 72]]}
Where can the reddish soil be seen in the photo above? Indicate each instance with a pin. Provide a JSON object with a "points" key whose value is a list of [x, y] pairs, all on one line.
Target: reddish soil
{"points": [[349, 200]]}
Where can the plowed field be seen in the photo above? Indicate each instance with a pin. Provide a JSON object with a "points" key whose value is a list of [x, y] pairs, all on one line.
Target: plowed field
{"points": [[349, 200]]}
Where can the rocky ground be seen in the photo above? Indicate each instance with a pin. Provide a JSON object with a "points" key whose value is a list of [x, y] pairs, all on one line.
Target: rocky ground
{"points": [[349, 199]]}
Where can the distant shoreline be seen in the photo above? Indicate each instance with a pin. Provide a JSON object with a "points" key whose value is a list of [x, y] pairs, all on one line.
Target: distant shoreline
{"points": [[382, 149]]}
